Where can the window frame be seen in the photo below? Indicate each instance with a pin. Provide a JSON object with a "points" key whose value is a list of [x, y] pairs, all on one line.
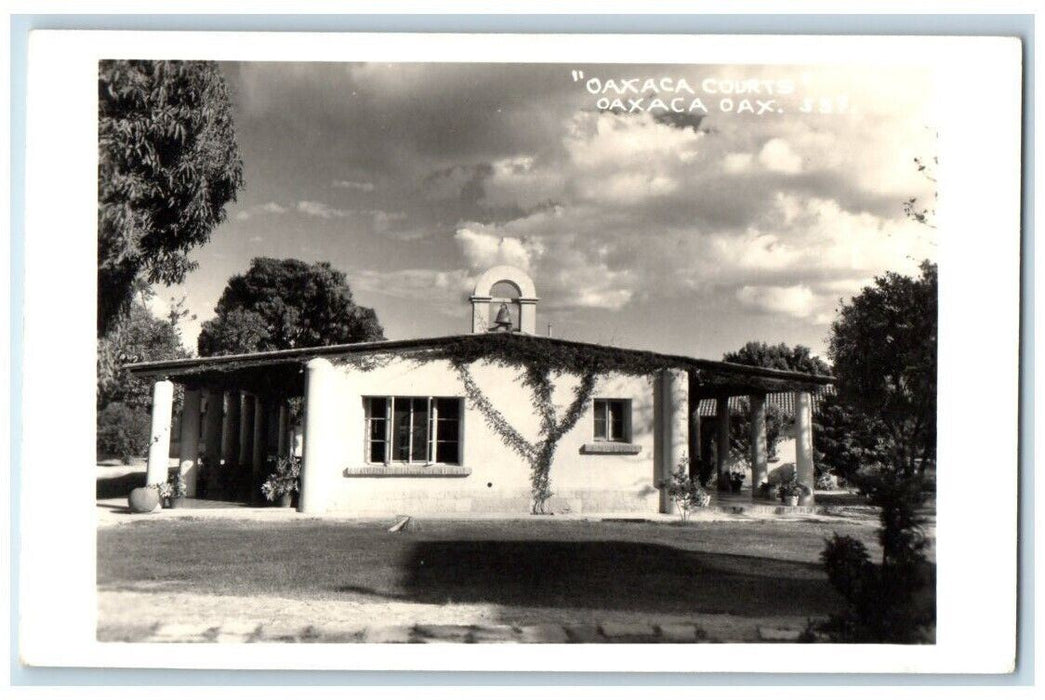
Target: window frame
{"points": [[431, 434], [604, 405]]}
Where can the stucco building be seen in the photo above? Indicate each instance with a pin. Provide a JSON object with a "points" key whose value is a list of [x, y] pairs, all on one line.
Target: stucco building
{"points": [[452, 424]]}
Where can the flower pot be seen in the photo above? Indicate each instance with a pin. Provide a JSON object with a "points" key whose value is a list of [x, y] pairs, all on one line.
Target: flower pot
{"points": [[165, 502], [792, 501], [177, 502], [143, 500], [286, 500]]}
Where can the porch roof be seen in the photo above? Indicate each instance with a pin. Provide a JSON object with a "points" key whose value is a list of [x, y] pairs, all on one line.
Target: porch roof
{"points": [[282, 371]]}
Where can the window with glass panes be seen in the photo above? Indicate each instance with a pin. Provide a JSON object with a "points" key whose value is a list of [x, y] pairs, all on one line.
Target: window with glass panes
{"points": [[611, 420], [413, 429]]}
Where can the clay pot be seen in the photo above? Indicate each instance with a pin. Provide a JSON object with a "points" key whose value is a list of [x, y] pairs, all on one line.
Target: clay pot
{"points": [[143, 499], [286, 500]]}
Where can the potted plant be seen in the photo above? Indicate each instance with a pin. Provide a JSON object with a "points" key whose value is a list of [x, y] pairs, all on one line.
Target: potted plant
{"points": [[282, 483], [791, 490], [172, 493], [736, 480]]}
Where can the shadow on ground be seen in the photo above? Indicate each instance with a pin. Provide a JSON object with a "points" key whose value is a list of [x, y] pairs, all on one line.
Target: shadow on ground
{"points": [[118, 486], [609, 575]]}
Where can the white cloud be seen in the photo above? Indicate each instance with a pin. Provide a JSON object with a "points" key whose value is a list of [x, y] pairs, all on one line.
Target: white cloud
{"points": [[320, 210], [483, 249], [777, 156], [353, 185], [737, 162], [447, 288], [794, 301], [266, 208]]}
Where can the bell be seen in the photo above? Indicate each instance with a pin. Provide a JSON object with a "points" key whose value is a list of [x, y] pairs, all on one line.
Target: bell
{"points": [[504, 319]]}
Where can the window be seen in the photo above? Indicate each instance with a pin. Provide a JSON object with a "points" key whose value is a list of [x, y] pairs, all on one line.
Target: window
{"points": [[612, 420], [412, 429]]}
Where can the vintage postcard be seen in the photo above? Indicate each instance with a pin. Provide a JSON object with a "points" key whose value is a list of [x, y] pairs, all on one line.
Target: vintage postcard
{"points": [[561, 342]]}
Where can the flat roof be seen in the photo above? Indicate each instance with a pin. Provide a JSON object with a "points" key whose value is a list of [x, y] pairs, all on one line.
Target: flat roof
{"points": [[724, 375]]}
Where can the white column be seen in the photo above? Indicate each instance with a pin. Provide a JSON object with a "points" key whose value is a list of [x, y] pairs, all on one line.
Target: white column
{"points": [[759, 443], [258, 448], [694, 427], [320, 459], [284, 430], [190, 440], [674, 428], [528, 316], [722, 444], [160, 434], [480, 314], [804, 444]]}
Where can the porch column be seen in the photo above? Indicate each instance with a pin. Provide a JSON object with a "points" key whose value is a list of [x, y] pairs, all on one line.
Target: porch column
{"points": [[321, 431], [694, 428], [160, 434], [230, 426], [284, 430], [213, 422], [804, 444], [759, 444], [246, 428], [674, 428], [258, 449], [190, 440], [722, 444]]}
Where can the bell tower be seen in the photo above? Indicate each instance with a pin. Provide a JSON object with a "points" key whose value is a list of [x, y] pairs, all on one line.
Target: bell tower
{"points": [[509, 293]]}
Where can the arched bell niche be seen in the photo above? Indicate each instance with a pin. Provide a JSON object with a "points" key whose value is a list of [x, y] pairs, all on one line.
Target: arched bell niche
{"points": [[508, 286]]}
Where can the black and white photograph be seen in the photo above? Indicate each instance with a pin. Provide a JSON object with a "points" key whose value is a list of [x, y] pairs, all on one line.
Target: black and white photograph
{"points": [[523, 351]]}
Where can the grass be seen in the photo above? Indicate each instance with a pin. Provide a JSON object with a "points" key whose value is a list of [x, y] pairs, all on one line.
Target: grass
{"points": [[751, 569]]}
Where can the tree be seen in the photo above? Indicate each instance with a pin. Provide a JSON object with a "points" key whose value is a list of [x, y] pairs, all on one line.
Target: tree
{"points": [[781, 356], [124, 401], [884, 349], [844, 440], [167, 166], [883, 345], [282, 304]]}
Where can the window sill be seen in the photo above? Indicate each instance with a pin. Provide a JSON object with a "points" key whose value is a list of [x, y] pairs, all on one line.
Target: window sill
{"points": [[399, 470], [610, 448]]}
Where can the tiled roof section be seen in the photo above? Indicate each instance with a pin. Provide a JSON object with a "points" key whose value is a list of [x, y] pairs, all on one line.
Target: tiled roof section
{"points": [[785, 401]]}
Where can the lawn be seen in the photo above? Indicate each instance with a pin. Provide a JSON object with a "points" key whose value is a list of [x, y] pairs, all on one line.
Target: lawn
{"points": [[741, 568]]}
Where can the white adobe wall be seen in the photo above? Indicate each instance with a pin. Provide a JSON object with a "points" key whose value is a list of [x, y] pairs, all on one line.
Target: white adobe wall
{"points": [[500, 478]]}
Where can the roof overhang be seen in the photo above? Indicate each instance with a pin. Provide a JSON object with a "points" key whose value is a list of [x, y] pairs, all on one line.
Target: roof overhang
{"points": [[282, 371]]}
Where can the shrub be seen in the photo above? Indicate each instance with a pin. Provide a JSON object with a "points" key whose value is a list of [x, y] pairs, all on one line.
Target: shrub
{"points": [[283, 479], [123, 432], [684, 492], [827, 482]]}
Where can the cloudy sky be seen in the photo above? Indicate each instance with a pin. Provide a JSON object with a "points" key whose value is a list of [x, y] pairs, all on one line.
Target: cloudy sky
{"points": [[672, 231]]}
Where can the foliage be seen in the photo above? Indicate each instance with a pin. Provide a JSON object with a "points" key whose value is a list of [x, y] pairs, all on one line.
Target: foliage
{"points": [[541, 363], [174, 487], [826, 482], [283, 479], [122, 431], [123, 400], [685, 493], [740, 432], [282, 304], [895, 384], [888, 398], [137, 337], [781, 356], [893, 602], [792, 488], [844, 440], [539, 454], [167, 166]]}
